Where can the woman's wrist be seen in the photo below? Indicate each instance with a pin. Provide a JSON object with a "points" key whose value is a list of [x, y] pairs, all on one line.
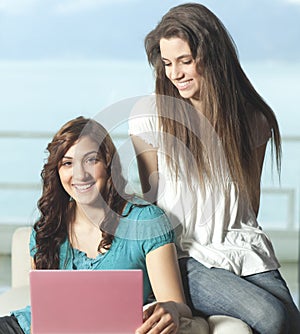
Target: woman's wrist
{"points": [[184, 310]]}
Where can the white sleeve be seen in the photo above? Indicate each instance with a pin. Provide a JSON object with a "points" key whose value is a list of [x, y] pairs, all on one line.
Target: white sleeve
{"points": [[143, 120]]}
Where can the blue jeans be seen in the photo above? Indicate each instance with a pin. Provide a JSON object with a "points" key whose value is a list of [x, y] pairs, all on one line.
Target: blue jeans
{"points": [[262, 300]]}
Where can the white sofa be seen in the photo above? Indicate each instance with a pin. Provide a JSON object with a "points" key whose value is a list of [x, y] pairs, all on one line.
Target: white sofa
{"points": [[18, 296]]}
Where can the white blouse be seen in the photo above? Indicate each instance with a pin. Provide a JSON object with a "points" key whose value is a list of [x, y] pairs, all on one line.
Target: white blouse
{"points": [[218, 229]]}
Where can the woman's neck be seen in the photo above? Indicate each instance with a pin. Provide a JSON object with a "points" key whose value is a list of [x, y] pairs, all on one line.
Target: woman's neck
{"points": [[197, 104], [87, 215], [85, 234]]}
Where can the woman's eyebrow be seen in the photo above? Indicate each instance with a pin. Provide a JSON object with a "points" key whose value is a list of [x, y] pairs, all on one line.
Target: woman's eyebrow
{"points": [[179, 57], [91, 152], [86, 154]]}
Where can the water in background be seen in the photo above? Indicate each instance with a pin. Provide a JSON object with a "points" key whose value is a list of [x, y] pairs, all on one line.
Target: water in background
{"points": [[41, 96]]}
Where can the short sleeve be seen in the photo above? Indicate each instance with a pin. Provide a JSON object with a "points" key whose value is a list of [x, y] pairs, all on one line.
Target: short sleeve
{"points": [[64, 252], [148, 225], [32, 243], [155, 229], [149, 245], [143, 120]]}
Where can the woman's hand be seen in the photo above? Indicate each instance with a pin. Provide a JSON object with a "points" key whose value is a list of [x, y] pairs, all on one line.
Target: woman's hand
{"points": [[162, 318]]}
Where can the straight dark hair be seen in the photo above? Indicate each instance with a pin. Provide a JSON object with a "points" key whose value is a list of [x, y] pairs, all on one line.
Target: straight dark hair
{"points": [[230, 102]]}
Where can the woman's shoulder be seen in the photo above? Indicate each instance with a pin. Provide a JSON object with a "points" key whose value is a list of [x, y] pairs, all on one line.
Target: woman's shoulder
{"points": [[141, 209], [143, 220], [143, 120]]}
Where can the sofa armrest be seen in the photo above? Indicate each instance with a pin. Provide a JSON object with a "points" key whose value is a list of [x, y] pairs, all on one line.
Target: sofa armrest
{"points": [[18, 296], [20, 257], [221, 324], [14, 299]]}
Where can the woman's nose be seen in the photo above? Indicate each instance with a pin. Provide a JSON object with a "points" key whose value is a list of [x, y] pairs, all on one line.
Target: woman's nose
{"points": [[79, 171], [176, 72]]}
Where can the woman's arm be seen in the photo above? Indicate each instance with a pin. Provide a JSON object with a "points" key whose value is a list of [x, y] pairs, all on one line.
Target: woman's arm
{"points": [[164, 275], [147, 167], [32, 263]]}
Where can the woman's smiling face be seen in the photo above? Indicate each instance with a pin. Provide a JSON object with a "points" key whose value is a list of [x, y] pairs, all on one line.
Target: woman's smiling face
{"points": [[180, 67], [82, 172]]}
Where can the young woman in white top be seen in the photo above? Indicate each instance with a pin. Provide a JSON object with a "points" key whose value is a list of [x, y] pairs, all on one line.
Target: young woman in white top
{"points": [[200, 144]]}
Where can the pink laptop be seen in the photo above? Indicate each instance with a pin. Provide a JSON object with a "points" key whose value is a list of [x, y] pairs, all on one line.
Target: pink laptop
{"points": [[86, 301]]}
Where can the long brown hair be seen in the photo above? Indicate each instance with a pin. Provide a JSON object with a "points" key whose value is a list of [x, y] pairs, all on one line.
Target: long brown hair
{"points": [[57, 212], [229, 99]]}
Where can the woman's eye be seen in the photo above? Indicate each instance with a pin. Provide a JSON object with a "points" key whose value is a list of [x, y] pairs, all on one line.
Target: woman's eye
{"points": [[166, 64], [66, 163], [92, 160], [187, 62]]}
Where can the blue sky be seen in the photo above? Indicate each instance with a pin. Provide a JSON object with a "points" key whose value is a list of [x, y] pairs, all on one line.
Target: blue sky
{"points": [[40, 95], [115, 29]]}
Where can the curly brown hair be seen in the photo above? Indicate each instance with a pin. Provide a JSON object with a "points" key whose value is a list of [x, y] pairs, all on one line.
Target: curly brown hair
{"points": [[57, 212]]}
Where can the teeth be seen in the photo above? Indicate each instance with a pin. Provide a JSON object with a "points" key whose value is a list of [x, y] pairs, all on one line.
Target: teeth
{"points": [[83, 187], [183, 84]]}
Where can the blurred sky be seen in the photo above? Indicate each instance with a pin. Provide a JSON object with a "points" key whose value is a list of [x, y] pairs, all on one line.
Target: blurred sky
{"points": [[115, 29], [70, 57], [64, 58]]}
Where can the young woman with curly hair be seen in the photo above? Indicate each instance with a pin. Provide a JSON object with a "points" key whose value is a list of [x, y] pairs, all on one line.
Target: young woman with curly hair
{"points": [[88, 222]]}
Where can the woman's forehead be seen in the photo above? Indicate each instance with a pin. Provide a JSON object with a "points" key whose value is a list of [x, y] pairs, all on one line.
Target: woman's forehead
{"points": [[82, 146]]}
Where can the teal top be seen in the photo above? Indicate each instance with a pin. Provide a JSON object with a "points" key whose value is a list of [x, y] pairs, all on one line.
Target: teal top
{"points": [[143, 229]]}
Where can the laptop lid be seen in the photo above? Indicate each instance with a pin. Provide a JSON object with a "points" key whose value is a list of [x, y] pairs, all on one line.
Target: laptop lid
{"points": [[86, 301]]}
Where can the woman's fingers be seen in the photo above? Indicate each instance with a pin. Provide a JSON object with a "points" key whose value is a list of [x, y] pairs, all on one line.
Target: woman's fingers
{"points": [[157, 319], [163, 327], [160, 327], [147, 313]]}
